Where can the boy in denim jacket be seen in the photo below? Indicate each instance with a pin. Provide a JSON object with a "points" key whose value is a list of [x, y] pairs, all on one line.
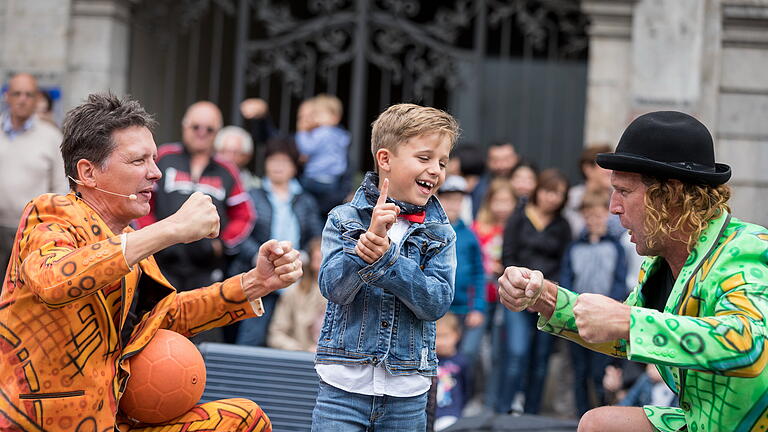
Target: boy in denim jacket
{"points": [[388, 270]]}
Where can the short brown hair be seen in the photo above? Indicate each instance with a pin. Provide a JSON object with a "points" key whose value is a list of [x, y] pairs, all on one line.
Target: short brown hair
{"points": [[329, 103], [549, 180], [88, 129], [283, 145], [401, 122]]}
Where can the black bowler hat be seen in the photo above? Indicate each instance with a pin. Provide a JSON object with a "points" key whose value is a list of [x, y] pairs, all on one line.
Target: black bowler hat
{"points": [[667, 144]]}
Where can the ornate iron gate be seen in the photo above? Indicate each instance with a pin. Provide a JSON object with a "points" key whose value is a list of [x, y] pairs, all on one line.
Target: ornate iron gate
{"points": [[372, 54]]}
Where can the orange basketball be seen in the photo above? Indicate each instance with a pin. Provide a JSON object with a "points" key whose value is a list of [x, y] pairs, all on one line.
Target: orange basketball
{"points": [[167, 379]]}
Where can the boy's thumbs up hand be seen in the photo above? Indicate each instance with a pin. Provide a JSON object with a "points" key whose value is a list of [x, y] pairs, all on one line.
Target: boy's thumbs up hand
{"points": [[384, 213], [374, 243]]}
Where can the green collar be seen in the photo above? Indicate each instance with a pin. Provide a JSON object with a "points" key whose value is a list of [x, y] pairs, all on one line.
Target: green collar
{"points": [[704, 248]]}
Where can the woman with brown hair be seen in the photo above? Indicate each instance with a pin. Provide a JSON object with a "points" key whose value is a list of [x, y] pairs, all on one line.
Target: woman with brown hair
{"points": [[535, 236]]}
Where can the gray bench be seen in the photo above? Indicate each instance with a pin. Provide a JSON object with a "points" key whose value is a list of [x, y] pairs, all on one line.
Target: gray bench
{"points": [[283, 383]]}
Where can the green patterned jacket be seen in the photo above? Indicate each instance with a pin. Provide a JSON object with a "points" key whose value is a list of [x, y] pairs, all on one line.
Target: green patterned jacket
{"points": [[709, 343]]}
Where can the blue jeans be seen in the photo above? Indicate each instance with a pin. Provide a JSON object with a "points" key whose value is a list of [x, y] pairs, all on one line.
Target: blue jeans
{"points": [[253, 331], [527, 359], [340, 411], [588, 366], [471, 337], [495, 377], [541, 348]]}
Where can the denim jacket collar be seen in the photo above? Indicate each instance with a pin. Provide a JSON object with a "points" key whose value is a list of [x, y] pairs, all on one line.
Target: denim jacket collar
{"points": [[435, 212]]}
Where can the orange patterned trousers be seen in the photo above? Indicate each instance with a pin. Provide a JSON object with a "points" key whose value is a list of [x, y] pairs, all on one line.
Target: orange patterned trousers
{"points": [[226, 415]]}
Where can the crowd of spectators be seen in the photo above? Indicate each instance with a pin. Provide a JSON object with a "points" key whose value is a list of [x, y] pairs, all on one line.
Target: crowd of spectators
{"points": [[504, 210]]}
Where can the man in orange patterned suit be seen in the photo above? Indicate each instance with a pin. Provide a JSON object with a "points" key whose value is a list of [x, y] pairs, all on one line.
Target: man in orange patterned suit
{"points": [[83, 293]]}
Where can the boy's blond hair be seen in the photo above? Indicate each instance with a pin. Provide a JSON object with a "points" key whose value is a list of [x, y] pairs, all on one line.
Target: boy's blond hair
{"points": [[404, 121], [328, 103]]}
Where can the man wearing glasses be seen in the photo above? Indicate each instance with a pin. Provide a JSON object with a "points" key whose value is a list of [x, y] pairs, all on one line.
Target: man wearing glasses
{"points": [[188, 167], [30, 161]]}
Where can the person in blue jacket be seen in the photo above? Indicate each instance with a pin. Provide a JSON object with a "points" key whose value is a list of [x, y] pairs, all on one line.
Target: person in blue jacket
{"points": [[593, 263], [469, 301]]}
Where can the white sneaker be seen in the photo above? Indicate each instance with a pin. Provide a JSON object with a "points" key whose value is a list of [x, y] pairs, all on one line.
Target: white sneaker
{"points": [[518, 404]]}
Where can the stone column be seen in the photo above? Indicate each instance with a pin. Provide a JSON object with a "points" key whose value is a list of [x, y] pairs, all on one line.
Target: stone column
{"points": [[609, 74], [742, 121], [33, 39], [98, 49], [676, 57], [667, 50]]}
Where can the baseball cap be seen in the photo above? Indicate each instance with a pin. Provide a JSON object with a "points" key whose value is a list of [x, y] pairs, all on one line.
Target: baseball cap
{"points": [[453, 183]]}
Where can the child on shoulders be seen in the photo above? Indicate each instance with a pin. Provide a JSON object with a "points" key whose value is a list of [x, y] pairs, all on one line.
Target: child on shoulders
{"points": [[323, 144]]}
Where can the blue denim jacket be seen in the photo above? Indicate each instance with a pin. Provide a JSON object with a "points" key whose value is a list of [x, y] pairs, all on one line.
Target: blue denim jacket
{"points": [[385, 312]]}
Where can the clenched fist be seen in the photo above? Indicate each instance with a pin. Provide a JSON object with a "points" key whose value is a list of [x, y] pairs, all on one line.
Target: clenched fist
{"points": [[277, 266], [520, 288], [601, 319], [196, 219]]}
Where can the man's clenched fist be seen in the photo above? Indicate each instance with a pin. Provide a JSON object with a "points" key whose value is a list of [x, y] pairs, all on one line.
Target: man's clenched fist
{"points": [[601, 319], [520, 288], [196, 219], [277, 266]]}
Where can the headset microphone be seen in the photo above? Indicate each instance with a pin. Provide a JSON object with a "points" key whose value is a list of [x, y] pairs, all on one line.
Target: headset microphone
{"points": [[131, 197]]}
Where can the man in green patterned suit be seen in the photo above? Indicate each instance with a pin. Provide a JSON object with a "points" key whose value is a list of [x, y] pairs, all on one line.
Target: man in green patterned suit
{"points": [[699, 310]]}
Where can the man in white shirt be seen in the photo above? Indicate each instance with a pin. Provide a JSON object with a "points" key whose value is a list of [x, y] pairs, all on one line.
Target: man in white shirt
{"points": [[30, 159]]}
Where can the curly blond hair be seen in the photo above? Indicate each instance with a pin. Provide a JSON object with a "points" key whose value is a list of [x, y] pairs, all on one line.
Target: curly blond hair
{"points": [[674, 206]]}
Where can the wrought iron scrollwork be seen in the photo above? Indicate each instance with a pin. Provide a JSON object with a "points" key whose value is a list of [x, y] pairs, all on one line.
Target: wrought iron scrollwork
{"points": [[397, 43], [448, 23], [543, 22], [277, 19], [153, 16]]}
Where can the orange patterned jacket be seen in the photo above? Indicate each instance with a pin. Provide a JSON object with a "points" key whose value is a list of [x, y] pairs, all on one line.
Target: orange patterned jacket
{"points": [[64, 301]]}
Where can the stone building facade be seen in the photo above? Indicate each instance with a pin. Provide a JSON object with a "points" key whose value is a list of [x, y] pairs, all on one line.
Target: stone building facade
{"points": [[704, 57], [79, 46]]}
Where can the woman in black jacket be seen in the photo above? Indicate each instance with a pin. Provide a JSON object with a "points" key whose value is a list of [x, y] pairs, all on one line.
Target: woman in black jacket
{"points": [[536, 236]]}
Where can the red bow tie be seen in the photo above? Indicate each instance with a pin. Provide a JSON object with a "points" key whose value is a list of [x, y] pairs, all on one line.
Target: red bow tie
{"points": [[415, 217]]}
